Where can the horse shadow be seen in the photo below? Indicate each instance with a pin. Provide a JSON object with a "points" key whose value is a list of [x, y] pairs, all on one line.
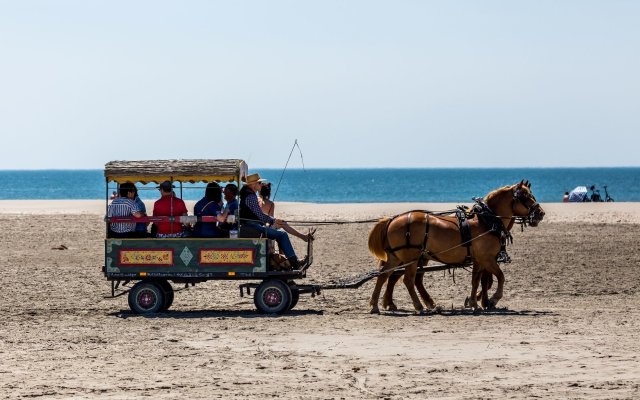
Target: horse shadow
{"points": [[199, 314], [466, 312]]}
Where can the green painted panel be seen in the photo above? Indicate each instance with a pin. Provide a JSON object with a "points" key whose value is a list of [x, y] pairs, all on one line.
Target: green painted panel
{"points": [[185, 256]]}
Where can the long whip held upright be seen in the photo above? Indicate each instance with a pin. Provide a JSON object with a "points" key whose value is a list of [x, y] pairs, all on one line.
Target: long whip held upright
{"points": [[295, 144]]}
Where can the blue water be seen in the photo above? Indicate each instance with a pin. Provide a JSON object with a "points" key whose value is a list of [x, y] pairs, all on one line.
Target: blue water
{"points": [[351, 185]]}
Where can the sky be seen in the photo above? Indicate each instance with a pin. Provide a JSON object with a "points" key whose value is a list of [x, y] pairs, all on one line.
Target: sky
{"points": [[359, 84]]}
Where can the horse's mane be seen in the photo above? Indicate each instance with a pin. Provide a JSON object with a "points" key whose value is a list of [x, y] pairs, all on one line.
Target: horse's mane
{"points": [[497, 192]]}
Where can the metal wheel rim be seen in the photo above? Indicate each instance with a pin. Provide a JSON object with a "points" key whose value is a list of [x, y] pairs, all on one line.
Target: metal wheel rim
{"points": [[146, 299], [272, 297]]}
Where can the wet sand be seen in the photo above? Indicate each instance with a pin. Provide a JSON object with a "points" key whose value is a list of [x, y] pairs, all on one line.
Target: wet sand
{"points": [[567, 326]]}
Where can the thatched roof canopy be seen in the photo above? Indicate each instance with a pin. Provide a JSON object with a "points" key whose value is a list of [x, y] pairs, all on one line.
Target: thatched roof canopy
{"points": [[176, 170]]}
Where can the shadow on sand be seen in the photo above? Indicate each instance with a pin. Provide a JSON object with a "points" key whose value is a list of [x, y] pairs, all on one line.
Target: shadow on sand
{"points": [[465, 312], [177, 314]]}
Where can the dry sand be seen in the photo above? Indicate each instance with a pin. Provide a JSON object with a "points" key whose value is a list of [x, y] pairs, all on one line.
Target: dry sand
{"points": [[567, 327]]}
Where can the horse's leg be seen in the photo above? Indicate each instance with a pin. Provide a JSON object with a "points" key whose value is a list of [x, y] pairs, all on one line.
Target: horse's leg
{"points": [[375, 296], [410, 282], [428, 301], [387, 297], [475, 280], [498, 294], [486, 281]]}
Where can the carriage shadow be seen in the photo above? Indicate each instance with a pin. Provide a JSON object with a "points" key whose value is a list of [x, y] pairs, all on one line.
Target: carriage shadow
{"points": [[199, 314], [467, 312]]}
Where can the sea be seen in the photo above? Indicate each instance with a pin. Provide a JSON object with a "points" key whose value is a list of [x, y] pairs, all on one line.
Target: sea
{"points": [[378, 185]]}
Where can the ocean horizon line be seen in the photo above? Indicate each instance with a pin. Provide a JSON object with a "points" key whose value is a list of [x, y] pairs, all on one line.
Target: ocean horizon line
{"points": [[502, 168], [351, 185]]}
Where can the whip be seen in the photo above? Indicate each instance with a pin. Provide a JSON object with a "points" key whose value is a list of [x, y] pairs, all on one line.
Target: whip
{"points": [[295, 144]]}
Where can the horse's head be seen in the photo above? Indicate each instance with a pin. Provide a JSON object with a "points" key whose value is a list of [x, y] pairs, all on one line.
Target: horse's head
{"points": [[525, 204]]}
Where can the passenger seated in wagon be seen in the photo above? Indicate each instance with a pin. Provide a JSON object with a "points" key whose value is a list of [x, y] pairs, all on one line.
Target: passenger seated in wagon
{"points": [[125, 206], [253, 218], [169, 206], [228, 220], [209, 205]]}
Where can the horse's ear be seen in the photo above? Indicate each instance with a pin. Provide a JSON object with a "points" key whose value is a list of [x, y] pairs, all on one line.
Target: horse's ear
{"points": [[521, 183], [528, 184]]}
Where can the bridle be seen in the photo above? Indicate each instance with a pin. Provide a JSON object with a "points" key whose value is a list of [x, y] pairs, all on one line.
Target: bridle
{"points": [[522, 197]]}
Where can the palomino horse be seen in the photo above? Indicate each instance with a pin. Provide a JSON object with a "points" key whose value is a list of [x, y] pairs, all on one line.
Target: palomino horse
{"points": [[407, 239], [486, 283]]}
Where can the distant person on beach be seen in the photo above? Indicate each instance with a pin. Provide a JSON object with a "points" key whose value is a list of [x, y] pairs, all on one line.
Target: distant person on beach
{"points": [[565, 198], [169, 206], [124, 206], [595, 194], [210, 205], [255, 219]]}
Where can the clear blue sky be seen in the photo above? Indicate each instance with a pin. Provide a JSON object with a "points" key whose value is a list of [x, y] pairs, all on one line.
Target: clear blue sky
{"points": [[358, 83]]}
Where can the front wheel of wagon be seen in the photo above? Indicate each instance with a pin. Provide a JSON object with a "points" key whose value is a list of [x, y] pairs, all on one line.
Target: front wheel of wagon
{"points": [[146, 298], [272, 297]]}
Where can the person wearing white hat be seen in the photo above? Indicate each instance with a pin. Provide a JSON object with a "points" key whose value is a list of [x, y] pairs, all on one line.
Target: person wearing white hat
{"points": [[253, 217]]}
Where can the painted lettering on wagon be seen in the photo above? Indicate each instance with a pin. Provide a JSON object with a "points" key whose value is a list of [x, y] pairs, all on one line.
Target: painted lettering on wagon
{"points": [[146, 257], [227, 256]]}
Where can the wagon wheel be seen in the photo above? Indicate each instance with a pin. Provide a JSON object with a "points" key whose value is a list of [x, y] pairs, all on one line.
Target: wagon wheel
{"points": [[168, 294], [295, 294], [272, 297], [146, 298]]}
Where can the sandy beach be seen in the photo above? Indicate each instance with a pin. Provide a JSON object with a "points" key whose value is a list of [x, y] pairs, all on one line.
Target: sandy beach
{"points": [[567, 326]]}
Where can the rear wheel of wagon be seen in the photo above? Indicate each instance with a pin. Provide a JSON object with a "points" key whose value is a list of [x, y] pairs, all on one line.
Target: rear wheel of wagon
{"points": [[295, 294], [168, 294], [146, 298], [272, 297]]}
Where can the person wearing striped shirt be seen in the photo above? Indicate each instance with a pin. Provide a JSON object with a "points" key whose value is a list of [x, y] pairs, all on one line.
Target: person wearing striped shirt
{"points": [[124, 206]]}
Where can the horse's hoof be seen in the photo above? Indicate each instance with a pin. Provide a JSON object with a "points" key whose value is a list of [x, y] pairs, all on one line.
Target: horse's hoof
{"points": [[477, 311], [374, 310], [437, 309], [466, 302], [420, 312], [492, 304], [392, 307]]}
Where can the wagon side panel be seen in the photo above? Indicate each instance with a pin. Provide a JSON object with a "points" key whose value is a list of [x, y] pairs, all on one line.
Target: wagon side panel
{"points": [[185, 258]]}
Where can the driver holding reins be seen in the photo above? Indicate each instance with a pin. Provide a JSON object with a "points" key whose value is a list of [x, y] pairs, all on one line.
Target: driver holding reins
{"points": [[253, 217]]}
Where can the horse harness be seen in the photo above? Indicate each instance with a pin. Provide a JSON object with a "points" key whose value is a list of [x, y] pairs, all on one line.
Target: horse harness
{"points": [[485, 215], [465, 233], [495, 225]]}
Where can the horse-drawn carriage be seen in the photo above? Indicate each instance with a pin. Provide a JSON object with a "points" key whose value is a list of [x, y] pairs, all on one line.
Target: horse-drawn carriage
{"points": [[403, 244], [154, 264]]}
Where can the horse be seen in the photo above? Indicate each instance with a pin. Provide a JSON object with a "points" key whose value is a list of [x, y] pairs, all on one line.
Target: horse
{"points": [[415, 237], [486, 282], [387, 298]]}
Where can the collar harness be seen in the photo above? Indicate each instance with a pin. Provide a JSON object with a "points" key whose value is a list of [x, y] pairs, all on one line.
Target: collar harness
{"points": [[487, 217]]}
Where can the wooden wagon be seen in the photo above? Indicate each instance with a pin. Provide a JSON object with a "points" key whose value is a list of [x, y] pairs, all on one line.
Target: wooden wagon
{"points": [[156, 265]]}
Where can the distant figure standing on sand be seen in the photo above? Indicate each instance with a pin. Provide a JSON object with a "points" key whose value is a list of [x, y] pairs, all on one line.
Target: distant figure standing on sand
{"points": [[565, 198]]}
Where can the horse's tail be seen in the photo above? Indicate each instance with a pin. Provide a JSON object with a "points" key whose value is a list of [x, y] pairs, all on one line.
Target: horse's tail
{"points": [[377, 238]]}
